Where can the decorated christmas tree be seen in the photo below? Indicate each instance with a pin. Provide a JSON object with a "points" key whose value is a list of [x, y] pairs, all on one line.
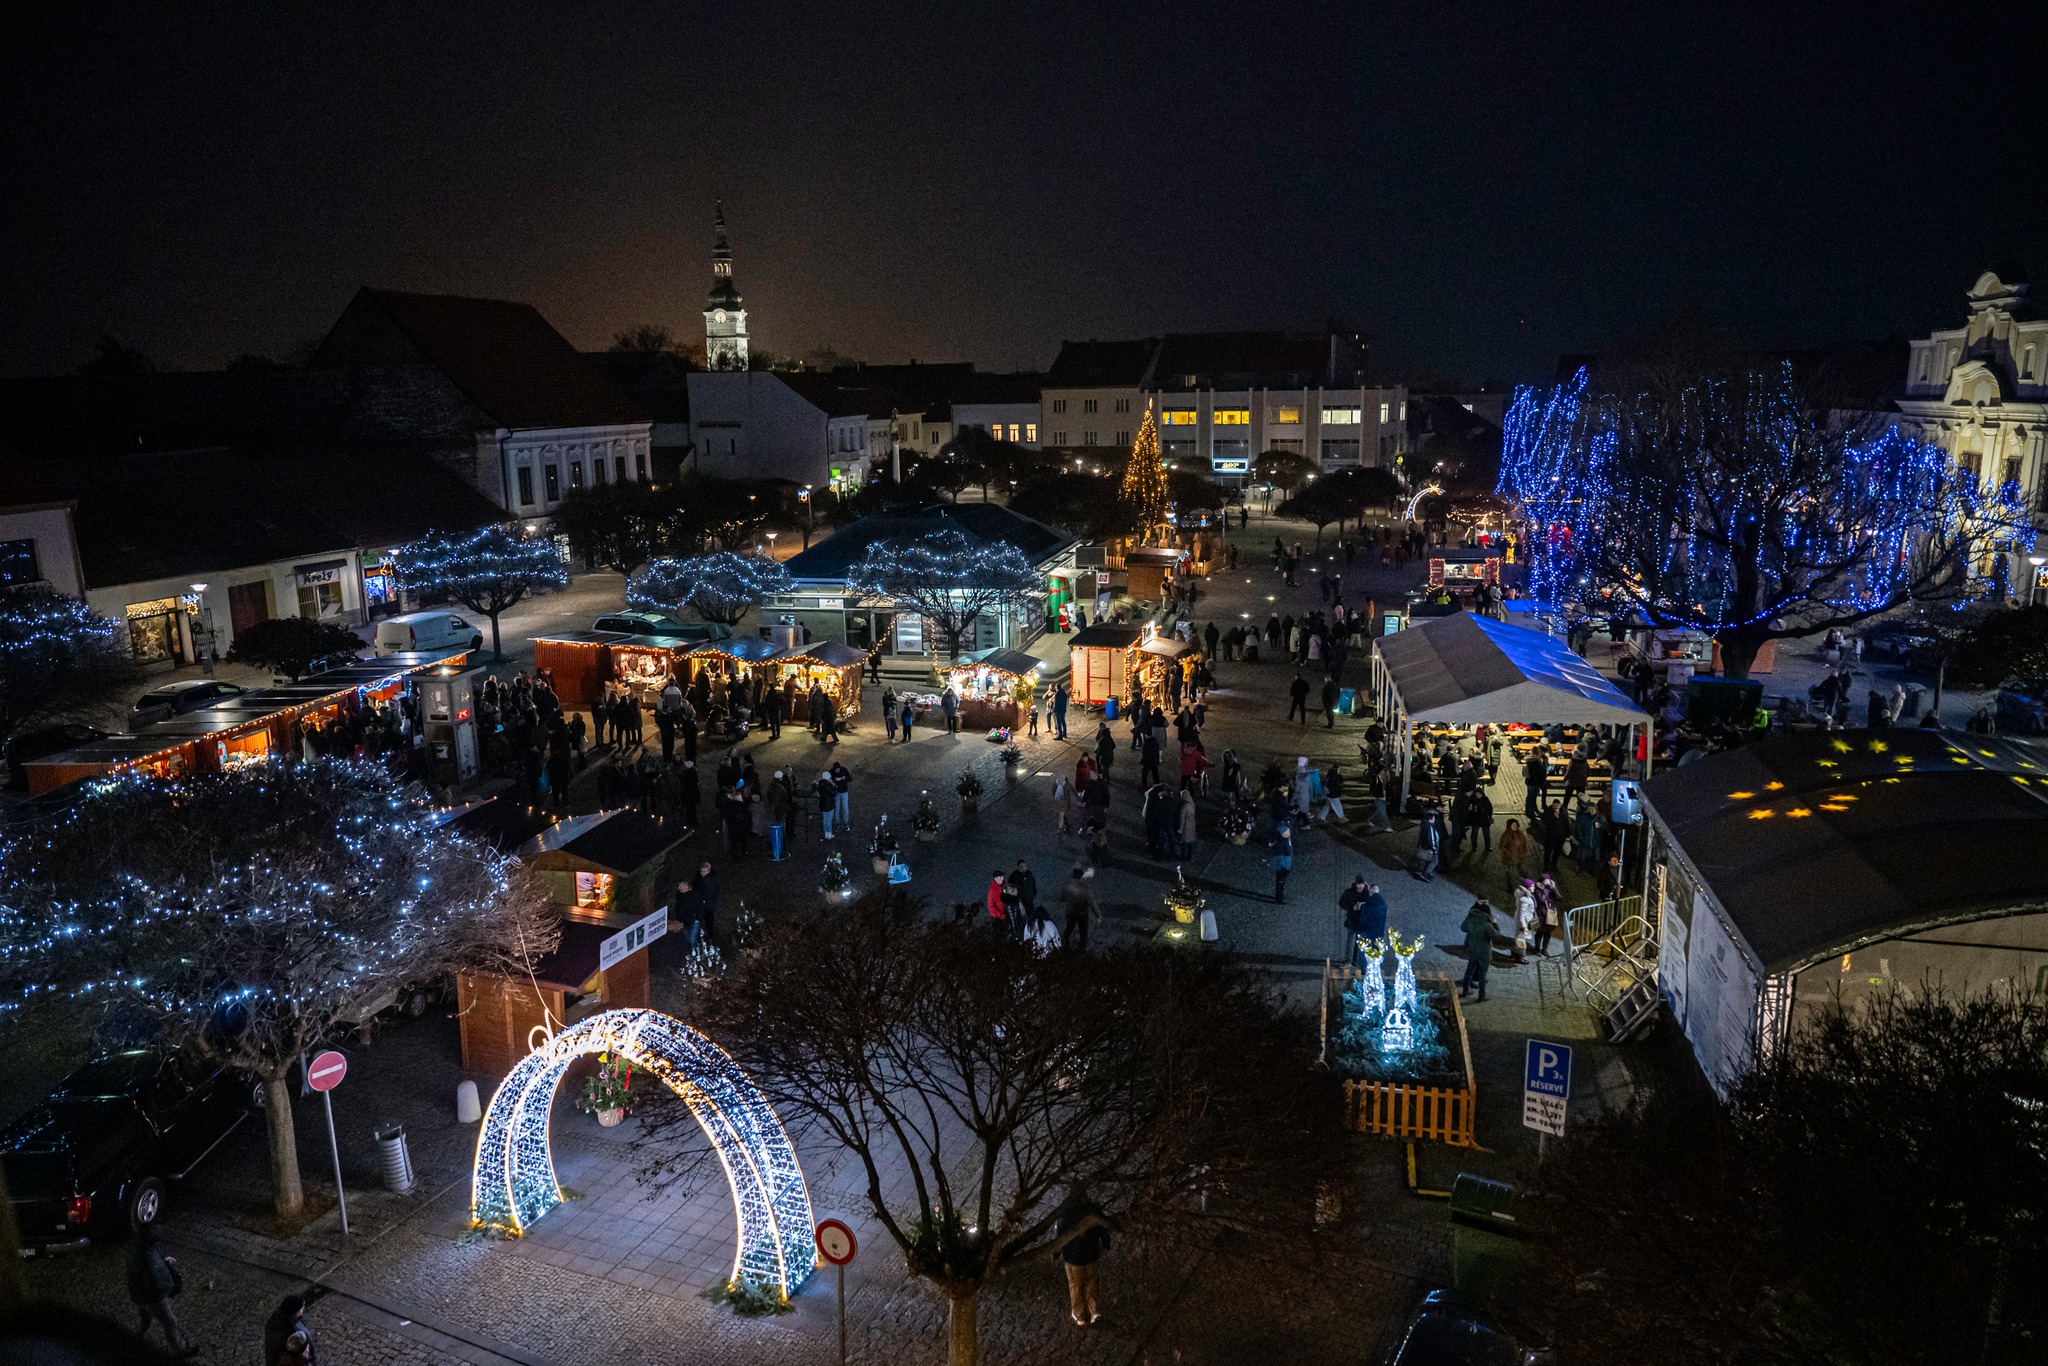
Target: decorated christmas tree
{"points": [[1144, 486]]}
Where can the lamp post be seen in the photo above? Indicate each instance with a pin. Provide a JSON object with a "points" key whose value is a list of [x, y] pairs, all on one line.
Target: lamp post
{"points": [[771, 543], [804, 496]]}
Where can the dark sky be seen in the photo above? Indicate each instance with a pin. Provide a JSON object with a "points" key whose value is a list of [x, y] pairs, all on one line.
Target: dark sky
{"points": [[1479, 189]]}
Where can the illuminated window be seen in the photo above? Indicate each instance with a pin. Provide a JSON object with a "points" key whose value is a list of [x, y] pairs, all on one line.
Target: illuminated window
{"points": [[1404, 409], [1177, 417], [1013, 431], [1384, 413], [594, 891], [575, 474], [1031, 432], [1231, 417], [1341, 417], [1287, 417]]}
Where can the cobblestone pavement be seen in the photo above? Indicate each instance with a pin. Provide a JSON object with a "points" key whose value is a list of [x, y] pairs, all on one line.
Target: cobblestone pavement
{"points": [[618, 1274]]}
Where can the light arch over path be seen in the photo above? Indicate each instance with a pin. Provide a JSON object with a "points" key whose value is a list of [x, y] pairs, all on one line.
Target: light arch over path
{"points": [[515, 1180]]}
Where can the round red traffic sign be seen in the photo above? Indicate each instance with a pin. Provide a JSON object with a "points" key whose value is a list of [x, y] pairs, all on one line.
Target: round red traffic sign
{"points": [[326, 1070], [835, 1242]]}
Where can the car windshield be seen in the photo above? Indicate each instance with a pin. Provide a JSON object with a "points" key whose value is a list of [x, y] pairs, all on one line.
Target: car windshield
{"points": [[153, 699], [116, 1074]]}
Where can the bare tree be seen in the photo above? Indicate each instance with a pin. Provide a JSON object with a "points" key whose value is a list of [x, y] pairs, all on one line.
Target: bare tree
{"points": [[250, 915], [1169, 1090], [947, 578]]}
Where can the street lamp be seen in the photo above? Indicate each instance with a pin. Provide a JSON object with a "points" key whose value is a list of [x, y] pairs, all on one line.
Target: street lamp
{"points": [[202, 642], [771, 543]]}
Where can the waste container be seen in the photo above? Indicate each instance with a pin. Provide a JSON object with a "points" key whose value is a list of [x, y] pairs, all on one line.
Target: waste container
{"points": [[396, 1160], [1109, 709], [1910, 709], [1489, 1250]]}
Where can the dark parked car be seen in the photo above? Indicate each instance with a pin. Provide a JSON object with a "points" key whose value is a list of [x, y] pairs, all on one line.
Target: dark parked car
{"points": [[655, 624], [340, 659], [2022, 709], [175, 699], [43, 742], [95, 1158], [1443, 1331]]}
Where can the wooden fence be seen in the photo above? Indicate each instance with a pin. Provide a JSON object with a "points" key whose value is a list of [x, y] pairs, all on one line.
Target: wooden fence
{"points": [[1441, 1114]]}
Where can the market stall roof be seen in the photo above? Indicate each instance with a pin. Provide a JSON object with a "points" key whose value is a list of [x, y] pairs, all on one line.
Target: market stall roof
{"points": [[1166, 647], [574, 961], [1465, 670], [1165, 556], [833, 654], [1003, 660], [1816, 843], [745, 649], [607, 841], [1106, 636]]}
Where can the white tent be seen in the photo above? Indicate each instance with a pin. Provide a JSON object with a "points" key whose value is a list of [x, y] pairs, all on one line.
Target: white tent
{"points": [[1465, 670]]}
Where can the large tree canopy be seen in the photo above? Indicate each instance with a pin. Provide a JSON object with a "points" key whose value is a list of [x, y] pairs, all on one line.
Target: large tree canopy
{"points": [[291, 644], [486, 571], [721, 586], [251, 914], [57, 657], [947, 578], [1733, 507], [980, 1087], [618, 526]]}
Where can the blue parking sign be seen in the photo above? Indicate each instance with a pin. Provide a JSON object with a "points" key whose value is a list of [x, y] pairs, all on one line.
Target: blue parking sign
{"points": [[1546, 1086]]}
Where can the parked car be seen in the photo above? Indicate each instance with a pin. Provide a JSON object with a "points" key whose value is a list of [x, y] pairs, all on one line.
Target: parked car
{"points": [[655, 624], [44, 741], [175, 699], [427, 631], [2022, 709], [96, 1157], [340, 659], [1442, 1330]]}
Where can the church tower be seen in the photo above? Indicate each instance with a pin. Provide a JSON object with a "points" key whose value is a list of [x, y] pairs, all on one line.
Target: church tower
{"points": [[725, 321]]}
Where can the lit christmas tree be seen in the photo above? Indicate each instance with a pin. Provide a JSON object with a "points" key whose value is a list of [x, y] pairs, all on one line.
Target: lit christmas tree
{"points": [[486, 571], [722, 586], [1144, 487]]}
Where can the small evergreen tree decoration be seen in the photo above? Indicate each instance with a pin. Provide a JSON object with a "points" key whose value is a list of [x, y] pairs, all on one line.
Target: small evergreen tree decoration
{"points": [[925, 821], [1144, 486], [746, 927], [834, 880], [703, 960]]}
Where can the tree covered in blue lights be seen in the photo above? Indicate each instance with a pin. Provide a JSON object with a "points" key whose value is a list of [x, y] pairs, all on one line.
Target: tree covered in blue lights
{"points": [[253, 916], [56, 656], [487, 571], [1729, 505], [946, 577], [722, 586]]}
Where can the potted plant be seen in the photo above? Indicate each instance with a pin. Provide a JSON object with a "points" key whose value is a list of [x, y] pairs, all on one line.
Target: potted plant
{"points": [[1183, 899], [834, 881], [608, 1092], [969, 788], [882, 846], [1237, 822], [924, 823]]}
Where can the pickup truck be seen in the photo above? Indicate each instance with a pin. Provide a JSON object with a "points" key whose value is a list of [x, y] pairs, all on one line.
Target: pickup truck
{"points": [[94, 1159]]}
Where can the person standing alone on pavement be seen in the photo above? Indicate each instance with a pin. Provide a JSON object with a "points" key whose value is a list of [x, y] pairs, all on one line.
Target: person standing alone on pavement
{"points": [[1330, 695], [1282, 848], [1298, 691], [1080, 1237], [152, 1281], [1079, 898], [1478, 929]]}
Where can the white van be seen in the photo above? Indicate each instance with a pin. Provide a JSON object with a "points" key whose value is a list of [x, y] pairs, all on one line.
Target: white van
{"points": [[430, 632]]}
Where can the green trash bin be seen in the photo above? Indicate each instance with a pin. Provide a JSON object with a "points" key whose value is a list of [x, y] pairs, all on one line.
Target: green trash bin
{"points": [[1489, 1249]]}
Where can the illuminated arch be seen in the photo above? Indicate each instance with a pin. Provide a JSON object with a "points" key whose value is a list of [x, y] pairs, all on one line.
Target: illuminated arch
{"points": [[1420, 494], [515, 1181]]}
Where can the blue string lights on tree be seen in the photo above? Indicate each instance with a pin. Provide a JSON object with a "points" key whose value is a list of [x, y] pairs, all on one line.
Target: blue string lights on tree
{"points": [[722, 586], [54, 651], [486, 571], [1731, 508], [947, 578]]}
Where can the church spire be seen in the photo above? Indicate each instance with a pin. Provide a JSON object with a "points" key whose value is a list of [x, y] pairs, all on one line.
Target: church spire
{"points": [[725, 319]]}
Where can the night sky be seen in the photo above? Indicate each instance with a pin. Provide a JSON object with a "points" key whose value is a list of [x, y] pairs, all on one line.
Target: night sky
{"points": [[979, 182]]}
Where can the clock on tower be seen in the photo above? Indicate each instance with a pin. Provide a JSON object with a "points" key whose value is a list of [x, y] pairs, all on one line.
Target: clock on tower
{"points": [[725, 320]]}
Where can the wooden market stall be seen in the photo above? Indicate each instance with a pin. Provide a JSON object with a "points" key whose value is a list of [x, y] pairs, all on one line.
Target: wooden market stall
{"points": [[1463, 568], [245, 729], [606, 868], [1102, 658], [1146, 568], [989, 683], [832, 665], [501, 1012], [1158, 659]]}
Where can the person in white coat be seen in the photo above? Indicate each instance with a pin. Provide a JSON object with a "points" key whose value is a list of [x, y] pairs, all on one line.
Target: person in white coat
{"points": [[1525, 920]]}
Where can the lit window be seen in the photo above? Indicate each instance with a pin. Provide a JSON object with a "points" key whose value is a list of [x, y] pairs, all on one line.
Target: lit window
{"points": [[594, 890], [1031, 432], [1231, 417], [575, 474], [1287, 417], [1404, 409], [1341, 417], [1013, 431], [1384, 414], [1177, 417]]}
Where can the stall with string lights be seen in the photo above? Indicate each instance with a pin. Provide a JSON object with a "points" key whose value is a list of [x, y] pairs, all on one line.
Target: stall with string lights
{"points": [[993, 686], [245, 729], [831, 665]]}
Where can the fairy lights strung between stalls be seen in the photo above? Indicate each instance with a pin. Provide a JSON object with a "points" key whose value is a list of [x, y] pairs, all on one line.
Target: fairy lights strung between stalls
{"points": [[1670, 508], [514, 1182]]}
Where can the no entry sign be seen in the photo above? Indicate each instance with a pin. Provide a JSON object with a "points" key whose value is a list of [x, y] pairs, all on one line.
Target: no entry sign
{"points": [[325, 1072], [835, 1242]]}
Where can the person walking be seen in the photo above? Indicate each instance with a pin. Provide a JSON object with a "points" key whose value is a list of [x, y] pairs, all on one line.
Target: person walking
{"points": [[1525, 919], [1330, 695], [1148, 762], [1298, 691], [152, 1281], [1282, 848], [1552, 830], [949, 703], [908, 716], [1428, 845], [1080, 1237], [1078, 896], [1478, 929], [285, 1327], [1535, 774], [1105, 749], [1186, 823], [1514, 851], [1549, 914], [1479, 818], [828, 801], [842, 794]]}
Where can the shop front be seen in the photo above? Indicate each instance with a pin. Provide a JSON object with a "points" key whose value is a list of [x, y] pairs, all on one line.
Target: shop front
{"points": [[320, 586], [160, 630], [829, 665], [379, 569], [994, 687]]}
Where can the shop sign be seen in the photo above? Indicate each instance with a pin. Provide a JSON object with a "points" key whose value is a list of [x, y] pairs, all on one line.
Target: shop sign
{"points": [[327, 571], [829, 604]]}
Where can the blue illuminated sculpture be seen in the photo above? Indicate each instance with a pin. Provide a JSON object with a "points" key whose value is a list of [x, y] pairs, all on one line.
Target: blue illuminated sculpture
{"points": [[515, 1181]]}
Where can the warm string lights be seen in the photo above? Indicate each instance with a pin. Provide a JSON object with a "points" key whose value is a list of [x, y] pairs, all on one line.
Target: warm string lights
{"points": [[1730, 505], [722, 586], [514, 1182], [1144, 484]]}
